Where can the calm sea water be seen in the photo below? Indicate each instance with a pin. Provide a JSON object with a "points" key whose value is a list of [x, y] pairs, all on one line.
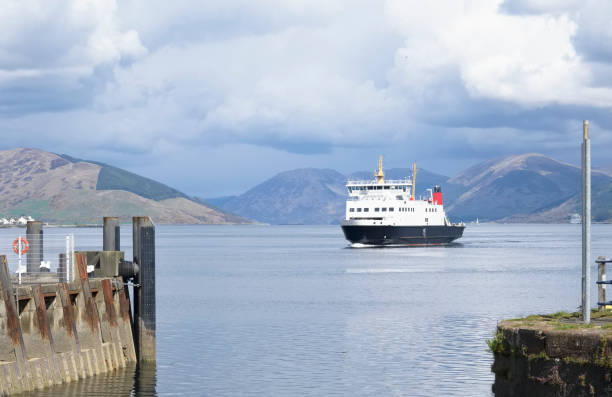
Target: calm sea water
{"points": [[293, 311]]}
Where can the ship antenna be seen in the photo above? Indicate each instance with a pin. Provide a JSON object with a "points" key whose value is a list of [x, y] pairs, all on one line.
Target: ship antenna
{"points": [[413, 178], [380, 175]]}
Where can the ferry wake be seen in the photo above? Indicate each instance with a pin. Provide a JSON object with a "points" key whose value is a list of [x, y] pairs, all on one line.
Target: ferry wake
{"points": [[385, 212]]}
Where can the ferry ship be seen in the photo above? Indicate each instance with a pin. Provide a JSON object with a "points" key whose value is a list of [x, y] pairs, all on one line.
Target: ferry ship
{"points": [[386, 212]]}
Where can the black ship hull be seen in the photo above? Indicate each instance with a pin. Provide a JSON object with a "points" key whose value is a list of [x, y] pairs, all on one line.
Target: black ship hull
{"points": [[402, 235]]}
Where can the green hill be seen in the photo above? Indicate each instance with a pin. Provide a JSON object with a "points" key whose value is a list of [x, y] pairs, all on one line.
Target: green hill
{"points": [[112, 178]]}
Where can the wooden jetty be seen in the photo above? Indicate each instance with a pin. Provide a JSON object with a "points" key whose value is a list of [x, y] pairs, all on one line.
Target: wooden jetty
{"points": [[54, 332]]}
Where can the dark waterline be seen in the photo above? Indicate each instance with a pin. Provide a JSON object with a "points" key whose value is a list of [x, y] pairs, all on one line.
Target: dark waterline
{"points": [[287, 310]]}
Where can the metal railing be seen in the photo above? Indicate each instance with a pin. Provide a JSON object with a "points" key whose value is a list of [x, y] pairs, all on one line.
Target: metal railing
{"points": [[36, 258], [368, 182], [602, 282]]}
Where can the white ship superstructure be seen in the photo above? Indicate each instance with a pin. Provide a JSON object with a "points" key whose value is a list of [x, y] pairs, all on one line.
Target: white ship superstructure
{"points": [[382, 204]]}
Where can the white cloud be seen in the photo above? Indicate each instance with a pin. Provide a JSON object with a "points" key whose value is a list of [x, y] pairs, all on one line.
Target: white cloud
{"points": [[318, 83], [53, 48], [529, 60]]}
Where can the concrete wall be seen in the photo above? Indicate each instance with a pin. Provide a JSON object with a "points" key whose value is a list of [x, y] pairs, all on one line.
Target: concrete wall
{"points": [[541, 361], [57, 333]]}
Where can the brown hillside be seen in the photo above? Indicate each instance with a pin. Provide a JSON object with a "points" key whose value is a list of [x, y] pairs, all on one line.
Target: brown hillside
{"points": [[52, 189]]}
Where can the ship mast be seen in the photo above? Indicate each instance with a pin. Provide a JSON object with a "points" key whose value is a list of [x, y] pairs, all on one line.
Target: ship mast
{"points": [[413, 179], [380, 175]]}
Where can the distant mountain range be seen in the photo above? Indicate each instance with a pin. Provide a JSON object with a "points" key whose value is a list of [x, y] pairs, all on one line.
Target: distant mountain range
{"points": [[523, 188], [65, 190]]}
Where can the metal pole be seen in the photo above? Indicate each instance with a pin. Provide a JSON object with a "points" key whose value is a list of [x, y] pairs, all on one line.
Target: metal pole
{"points": [[71, 258], [586, 223], [19, 248], [68, 260]]}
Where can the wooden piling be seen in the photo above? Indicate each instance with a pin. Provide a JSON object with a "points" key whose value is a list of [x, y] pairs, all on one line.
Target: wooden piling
{"points": [[143, 235], [91, 314], [45, 333], [111, 240], [14, 328], [34, 234]]}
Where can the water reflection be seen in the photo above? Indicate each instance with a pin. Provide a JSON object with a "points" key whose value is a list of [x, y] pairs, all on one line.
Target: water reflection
{"points": [[145, 380], [133, 380]]}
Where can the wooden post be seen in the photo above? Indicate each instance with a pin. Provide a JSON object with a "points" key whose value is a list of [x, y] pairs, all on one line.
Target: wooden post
{"points": [[71, 330], [143, 234], [45, 333], [111, 239], [91, 312], [34, 234], [14, 326]]}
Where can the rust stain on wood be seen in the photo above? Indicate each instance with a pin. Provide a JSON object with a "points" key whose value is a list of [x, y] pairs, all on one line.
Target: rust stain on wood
{"points": [[124, 305], [12, 319], [91, 314], [108, 300], [41, 312], [82, 266], [67, 308]]}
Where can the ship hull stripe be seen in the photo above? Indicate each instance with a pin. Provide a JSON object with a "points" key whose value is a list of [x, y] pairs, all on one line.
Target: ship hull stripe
{"points": [[402, 235]]}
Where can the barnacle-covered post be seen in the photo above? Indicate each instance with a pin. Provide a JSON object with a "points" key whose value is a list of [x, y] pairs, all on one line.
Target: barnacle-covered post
{"points": [[143, 235]]}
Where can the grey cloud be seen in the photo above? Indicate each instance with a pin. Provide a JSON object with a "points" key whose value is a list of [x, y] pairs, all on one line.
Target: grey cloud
{"points": [[297, 81]]}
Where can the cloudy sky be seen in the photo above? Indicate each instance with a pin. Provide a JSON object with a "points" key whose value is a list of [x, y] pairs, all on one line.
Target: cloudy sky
{"points": [[213, 97]]}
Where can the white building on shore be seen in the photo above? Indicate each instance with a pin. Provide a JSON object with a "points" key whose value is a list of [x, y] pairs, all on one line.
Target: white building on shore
{"points": [[21, 221]]}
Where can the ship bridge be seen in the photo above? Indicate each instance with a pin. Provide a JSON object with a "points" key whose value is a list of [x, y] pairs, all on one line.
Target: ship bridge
{"points": [[360, 188], [381, 187]]}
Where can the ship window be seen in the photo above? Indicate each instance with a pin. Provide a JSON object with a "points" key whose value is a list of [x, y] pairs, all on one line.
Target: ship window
{"points": [[387, 187], [426, 219], [376, 209], [390, 209], [352, 210], [366, 209], [358, 209], [384, 209], [379, 187]]}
